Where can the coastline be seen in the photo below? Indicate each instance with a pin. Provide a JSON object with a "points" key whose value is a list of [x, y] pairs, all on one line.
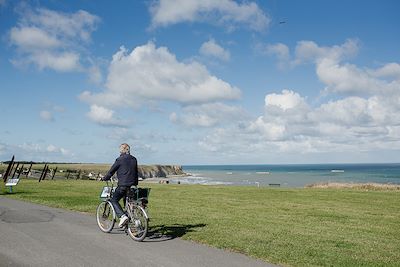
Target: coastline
{"points": [[163, 180], [294, 176], [174, 179]]}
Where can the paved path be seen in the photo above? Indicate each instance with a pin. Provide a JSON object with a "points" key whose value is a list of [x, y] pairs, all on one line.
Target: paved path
{"points": [[36, 235]]}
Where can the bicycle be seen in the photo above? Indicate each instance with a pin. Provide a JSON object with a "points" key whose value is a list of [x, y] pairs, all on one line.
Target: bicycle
{"points": [[135, 202]]}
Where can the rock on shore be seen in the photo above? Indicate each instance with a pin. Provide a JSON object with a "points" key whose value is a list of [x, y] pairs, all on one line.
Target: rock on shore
{"points": [[151, 171]]}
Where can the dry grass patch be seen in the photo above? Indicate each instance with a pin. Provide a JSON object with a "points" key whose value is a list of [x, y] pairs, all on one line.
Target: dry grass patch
{"points": [[362, 186]]}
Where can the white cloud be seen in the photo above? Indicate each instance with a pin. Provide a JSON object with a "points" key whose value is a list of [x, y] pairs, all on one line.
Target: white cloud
{"points": [[349, 123], [309, 51], [388, 70], [59, 150], [226, 13], [234, 142], [281, 112], [62, 62], [104, 116], [48, 111], [150, 73], [213, 49], [78, 25], [270, 130], [95, 75], [346, 78], [51, 148], [46, 115], [50, 39], [349, 79], [338, 75], [281, 51], [208, 115], [287, 100], [32, 38], [290, 125], [36, 152]]}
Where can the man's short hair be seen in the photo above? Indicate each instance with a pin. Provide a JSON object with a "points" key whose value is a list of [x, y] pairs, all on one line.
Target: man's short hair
{"points": [[124, 148]]}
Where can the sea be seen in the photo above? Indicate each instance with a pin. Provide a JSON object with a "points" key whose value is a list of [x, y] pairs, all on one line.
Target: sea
{"points": [[295, 175]]}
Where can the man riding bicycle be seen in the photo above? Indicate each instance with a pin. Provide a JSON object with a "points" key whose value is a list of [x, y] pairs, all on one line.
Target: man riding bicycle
{"points": [[127, 173]]}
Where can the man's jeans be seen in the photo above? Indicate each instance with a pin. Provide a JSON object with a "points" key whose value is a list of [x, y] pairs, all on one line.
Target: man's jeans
{"points": [[120, 192]]}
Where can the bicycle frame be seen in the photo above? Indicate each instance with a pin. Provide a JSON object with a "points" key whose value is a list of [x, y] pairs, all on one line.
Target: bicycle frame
{"points": [[135, 204]]}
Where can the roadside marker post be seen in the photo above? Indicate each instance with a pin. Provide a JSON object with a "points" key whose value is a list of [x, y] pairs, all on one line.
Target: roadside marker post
{"points": [[54, 173], [12, 181], [45, 172], [8, 169], [30, 167], [16, 168], [20, 170], [41, 175]]}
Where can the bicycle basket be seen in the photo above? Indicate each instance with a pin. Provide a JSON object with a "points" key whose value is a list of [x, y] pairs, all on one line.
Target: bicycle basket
{"points": [[106, 192], [137, 193]]}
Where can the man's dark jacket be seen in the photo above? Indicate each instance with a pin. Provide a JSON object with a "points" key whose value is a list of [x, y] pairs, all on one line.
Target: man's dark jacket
{"points": [[127, 170]]}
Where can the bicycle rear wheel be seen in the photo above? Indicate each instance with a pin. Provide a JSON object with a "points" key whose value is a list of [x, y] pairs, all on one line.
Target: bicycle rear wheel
{"points": [[138, 223], [105, 216]]}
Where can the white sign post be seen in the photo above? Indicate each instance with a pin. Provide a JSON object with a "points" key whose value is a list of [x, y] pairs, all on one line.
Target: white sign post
{"points": [[12, 182]]}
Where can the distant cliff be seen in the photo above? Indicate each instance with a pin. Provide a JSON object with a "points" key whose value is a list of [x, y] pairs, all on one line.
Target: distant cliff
{"points": [[150, 171]]}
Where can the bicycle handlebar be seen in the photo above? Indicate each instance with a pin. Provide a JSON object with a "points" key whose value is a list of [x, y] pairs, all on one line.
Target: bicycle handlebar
{"points": [[112, 181]]}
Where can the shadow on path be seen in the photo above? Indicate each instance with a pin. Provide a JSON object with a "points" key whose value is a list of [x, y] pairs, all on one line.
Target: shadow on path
{"points": [[158, 233]]}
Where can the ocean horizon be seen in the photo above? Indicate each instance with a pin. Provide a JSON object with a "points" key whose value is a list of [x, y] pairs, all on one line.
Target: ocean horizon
{"points": [[291, 175]]}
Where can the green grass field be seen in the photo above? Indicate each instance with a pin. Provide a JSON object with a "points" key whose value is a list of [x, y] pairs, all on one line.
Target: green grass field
{"points": [[291, 227]]}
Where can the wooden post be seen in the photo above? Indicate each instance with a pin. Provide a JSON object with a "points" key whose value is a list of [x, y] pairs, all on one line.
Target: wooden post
{"points": [[41, 175], [30, 167], [54, 173], [12, 167], [45, 172], [20, 170], [8, 169], [12, 177]]}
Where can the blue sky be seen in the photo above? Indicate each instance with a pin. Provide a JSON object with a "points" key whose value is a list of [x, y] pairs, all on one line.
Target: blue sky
{"points": [[200, 82]]}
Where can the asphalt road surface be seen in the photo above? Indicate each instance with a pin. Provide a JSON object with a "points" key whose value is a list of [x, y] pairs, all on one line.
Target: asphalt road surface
{"points": [[36, 235]]}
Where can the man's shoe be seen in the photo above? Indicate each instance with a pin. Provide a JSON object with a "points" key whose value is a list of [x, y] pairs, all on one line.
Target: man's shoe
{"points": [[123, 220]]}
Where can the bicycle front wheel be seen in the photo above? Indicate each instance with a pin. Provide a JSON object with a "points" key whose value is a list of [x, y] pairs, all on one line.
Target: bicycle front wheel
{"points": [[105, 216], [138, 223]]}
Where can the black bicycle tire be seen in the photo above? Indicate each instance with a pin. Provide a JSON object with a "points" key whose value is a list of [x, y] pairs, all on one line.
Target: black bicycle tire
{"points": [[145, 226], [103, 229]]}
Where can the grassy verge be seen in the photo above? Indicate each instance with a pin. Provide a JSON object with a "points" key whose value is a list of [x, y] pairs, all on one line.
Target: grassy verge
{"points": [[295, 227]]}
